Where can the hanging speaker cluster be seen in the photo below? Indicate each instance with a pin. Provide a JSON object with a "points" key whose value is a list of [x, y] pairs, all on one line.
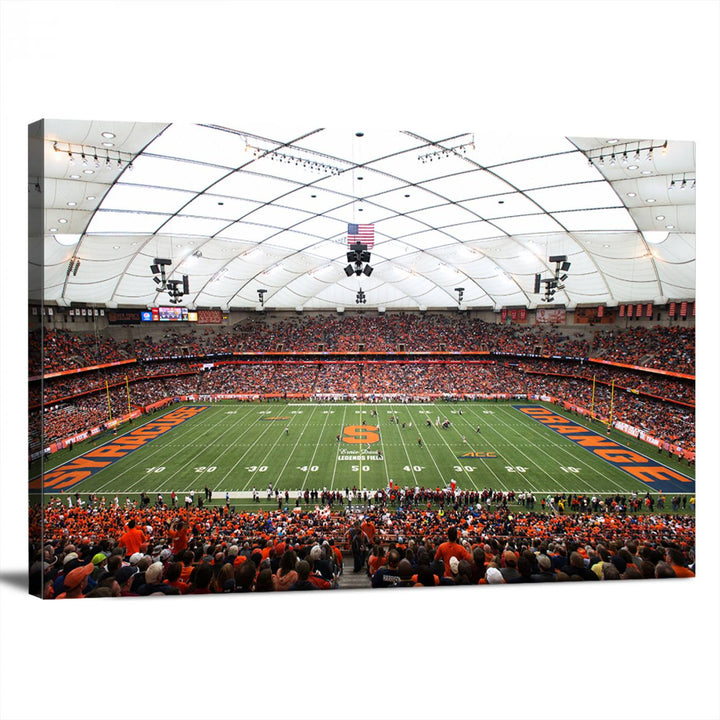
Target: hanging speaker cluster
{"points": [[555, 283]]}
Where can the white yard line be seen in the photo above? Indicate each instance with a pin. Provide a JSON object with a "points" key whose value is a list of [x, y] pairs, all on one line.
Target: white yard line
{"points": [[232, 445], [167, 478], [411, 464], [525, 455], [502, 439], [317, 445], [427, 446], [249, 447], [291, 454], [270, 451], [458, 460]]}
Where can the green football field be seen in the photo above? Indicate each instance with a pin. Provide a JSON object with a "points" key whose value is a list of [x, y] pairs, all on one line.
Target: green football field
{"points": [[235, 447]]}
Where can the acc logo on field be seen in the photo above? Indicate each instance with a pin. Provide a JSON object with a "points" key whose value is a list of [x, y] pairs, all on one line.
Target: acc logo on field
{"points": [[478, 455], [359, 434]]}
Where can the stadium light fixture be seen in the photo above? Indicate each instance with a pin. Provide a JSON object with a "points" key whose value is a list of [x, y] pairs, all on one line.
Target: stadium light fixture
{"points": [[612, 151]]}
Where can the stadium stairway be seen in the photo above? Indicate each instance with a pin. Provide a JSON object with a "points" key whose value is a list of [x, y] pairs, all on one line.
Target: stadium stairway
{"points": [[350, 580]]}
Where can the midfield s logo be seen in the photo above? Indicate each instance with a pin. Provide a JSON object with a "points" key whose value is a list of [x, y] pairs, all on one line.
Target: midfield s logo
{"points": [[360, 434]]}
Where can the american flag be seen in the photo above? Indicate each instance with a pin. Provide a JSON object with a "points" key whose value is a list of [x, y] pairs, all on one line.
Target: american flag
{"points": [[364, 234]]}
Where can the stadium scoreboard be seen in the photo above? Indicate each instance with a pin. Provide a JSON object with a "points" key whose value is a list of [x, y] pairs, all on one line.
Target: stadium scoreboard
{"points": [[168, 314]]}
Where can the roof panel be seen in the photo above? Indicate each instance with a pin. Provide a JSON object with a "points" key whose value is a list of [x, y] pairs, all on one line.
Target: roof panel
{"points": [[110, 222], [598, 220], [252, 186], [146, 199], [161, 172], [430, 216], [546, 171], [580, 196]]}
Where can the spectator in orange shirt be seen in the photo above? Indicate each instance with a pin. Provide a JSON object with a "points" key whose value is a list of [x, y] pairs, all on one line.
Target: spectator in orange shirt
{"points": [[676, 560], [178, 534], [133, 539], [451, 548]]}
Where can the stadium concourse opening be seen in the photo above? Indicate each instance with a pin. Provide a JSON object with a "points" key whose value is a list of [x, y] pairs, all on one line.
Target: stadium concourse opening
{"points": [[233, 438]]}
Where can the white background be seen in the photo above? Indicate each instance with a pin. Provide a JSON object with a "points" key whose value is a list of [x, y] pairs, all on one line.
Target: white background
{"points": [[642, 650]]}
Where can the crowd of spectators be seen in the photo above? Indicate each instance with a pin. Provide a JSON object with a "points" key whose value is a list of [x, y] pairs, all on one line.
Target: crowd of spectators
{"points": [[662, 386], [669, 348], [671, 423], [63, 350], [134, 549], [54, 389]]}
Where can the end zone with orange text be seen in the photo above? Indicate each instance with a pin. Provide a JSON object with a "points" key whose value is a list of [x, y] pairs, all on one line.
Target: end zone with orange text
{"points": [[82, 467], [651, 473]]}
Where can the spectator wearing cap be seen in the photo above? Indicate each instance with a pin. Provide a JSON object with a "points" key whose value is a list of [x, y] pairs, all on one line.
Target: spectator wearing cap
{"points": [[153, 582], [70, 562], [493, 576], [509, 569], [133, 539], [100, 570], [125, 576], [545, 572], [75, 582]]}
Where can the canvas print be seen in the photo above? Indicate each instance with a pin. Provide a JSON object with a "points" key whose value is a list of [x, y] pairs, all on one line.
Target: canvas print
{"points": [[273, 359]]}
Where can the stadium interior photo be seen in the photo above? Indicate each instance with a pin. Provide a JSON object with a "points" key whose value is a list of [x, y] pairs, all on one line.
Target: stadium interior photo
{"points": [[266, 359]]}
